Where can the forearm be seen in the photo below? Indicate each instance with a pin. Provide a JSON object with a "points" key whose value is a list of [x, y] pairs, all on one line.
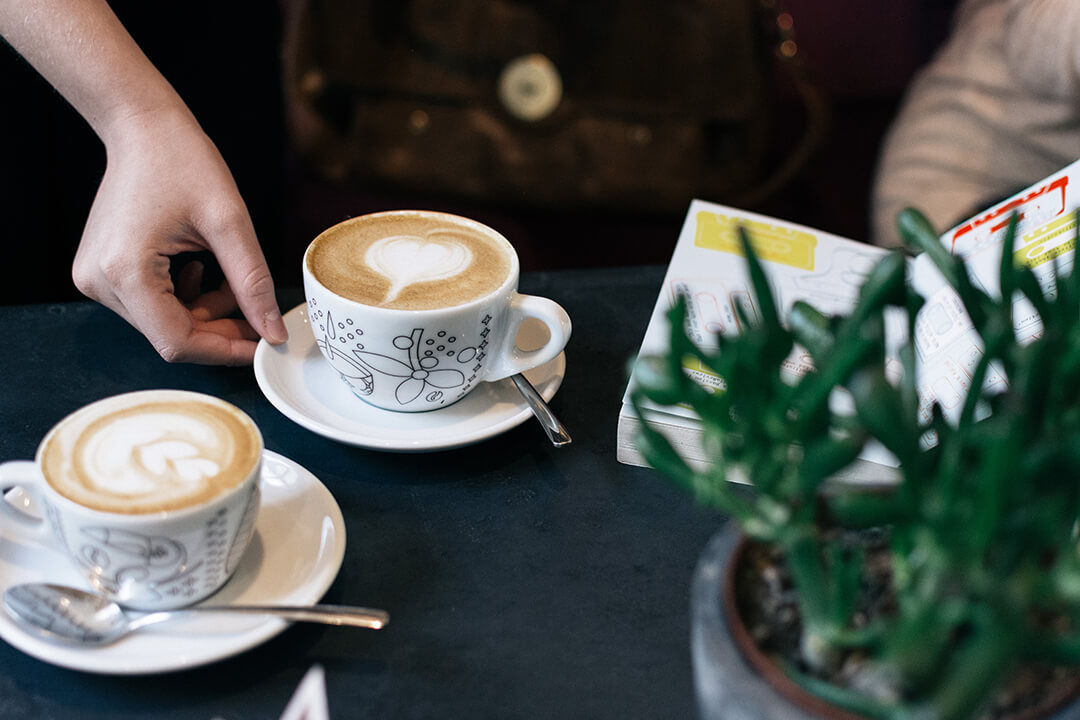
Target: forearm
{"points": [[82, 49]]}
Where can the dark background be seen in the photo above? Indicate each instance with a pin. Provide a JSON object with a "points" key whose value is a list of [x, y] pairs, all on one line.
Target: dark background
{"points": [[225, 61]]}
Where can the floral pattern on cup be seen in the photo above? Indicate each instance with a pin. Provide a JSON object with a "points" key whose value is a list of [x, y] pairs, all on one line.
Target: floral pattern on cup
{"points": [[436, 365], [117, 559]]}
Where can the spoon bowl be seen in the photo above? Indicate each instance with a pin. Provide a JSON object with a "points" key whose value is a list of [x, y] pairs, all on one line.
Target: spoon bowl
{"points": [[73, 616]]}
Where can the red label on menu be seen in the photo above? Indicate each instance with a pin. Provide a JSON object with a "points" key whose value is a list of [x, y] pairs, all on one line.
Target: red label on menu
{"points": [[1048, 200]]}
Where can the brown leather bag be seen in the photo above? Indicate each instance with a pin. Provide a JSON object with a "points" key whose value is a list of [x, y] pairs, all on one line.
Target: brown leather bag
{"points": [[639, 104]]}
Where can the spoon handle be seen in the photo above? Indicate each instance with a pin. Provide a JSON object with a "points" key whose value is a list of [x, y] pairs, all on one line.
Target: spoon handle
{"points": [[556, 431], [324, 614]]}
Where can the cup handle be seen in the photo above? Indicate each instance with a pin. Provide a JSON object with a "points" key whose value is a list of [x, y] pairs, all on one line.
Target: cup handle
{"points": [[24, 475], [509, 358]]}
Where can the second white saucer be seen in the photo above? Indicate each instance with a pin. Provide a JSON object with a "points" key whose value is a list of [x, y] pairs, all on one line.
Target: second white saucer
{"points": [[297, 551], [298, 382]]}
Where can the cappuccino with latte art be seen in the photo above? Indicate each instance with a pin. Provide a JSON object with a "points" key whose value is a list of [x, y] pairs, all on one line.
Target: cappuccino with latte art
{"points": [[153, 495], [411, 260], [151, 451], [414, 309]]}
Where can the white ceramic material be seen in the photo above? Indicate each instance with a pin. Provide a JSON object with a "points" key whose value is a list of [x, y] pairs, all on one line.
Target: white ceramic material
{"points": [[297, 381], [149, 561], [422, 360], [295, 555]]}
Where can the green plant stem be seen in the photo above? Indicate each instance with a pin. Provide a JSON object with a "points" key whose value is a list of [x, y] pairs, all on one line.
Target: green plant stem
{"points": [[979, 663], [983, 529]]}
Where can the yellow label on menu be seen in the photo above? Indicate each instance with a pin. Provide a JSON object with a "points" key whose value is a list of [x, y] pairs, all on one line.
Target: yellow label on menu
{"points": [[783, 245], [1047, 242], [703, 376], [694, 364]]}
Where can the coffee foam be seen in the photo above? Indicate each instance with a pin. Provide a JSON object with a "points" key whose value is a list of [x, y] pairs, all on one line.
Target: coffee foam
{"points": [[150, 452], [405, 260], [410, 261]]}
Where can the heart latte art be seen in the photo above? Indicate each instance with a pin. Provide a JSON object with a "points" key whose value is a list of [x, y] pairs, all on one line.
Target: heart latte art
{"points": [[406, 260], [409, 261], [150, 452]]}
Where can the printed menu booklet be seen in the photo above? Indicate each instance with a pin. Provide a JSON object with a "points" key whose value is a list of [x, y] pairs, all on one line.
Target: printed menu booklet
{"points": [[708, 269]]}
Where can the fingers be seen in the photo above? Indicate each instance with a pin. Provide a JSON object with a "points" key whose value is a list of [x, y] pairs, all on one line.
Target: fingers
{"points": [[209, 348], [196, 336], [215, 304], [226, 341], [167, 191], [199, 330], [241, 259]]}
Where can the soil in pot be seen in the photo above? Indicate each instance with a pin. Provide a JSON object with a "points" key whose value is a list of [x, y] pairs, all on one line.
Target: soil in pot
{"points": [[768, 629]]}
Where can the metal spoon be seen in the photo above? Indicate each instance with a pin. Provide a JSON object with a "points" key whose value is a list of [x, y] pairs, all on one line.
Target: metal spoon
{"points": [[554, 429], [67, 614]]}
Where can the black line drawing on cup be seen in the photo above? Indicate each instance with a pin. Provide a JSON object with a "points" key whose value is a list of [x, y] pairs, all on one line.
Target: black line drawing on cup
{"points": [[419, 372], [354, 373], [415, 373], [117, 557]]}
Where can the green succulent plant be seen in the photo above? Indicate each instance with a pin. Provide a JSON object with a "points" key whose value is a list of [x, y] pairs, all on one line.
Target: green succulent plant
{"points": [[982, 526]]}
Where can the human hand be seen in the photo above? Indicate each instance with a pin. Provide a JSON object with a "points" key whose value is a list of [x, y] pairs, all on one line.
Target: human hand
{"points": [[166, 191]]}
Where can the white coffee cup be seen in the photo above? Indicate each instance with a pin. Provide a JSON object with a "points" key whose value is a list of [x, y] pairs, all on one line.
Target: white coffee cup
{"points": [[153, 495], [415, 308]]}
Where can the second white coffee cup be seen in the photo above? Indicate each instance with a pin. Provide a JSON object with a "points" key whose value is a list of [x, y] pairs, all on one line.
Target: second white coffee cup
{"points": [[153, 495], [415, 308]]}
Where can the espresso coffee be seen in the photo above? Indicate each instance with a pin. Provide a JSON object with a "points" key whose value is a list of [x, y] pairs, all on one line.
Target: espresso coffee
{"points": [[410, 260], [151, 451]]}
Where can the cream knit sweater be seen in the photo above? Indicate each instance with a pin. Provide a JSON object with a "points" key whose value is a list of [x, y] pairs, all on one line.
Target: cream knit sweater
{"points": [[996, 109]]}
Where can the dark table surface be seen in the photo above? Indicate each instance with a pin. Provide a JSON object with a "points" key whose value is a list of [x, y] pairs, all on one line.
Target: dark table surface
{"points": [[523, 581]]}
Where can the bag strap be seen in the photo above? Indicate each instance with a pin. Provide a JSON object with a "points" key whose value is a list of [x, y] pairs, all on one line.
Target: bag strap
{"points": [[778, 27]]}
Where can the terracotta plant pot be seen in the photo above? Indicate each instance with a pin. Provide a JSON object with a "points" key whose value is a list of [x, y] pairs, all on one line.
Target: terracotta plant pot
{"points": [[733, 679]]}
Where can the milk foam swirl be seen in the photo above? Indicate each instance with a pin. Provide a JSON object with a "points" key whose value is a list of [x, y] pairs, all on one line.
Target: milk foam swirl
{"points": [[410, 260], [151, 454], [407, 259], [152, 451]]}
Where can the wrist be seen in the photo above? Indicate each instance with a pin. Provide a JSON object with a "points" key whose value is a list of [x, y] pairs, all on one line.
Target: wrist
{"points": [[144, 123]]}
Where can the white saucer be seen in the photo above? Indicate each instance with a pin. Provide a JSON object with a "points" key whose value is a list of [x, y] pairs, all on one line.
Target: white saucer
{"points": [[298, 382], [295, 555]]}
